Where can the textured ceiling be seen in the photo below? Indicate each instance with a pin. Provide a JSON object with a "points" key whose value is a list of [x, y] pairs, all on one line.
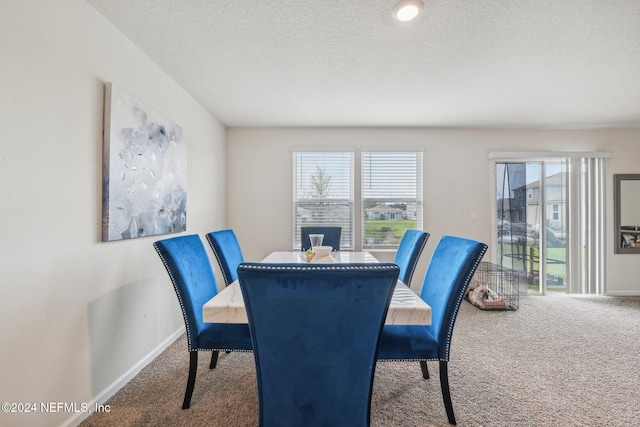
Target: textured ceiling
{"points": [[463, 63]]}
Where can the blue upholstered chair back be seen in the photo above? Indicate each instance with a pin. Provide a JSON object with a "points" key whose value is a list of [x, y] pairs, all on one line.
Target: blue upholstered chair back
{"points": [[315, 333], [409, 252], [188, 265], [450, 270], [228, 253], [332, 236]]}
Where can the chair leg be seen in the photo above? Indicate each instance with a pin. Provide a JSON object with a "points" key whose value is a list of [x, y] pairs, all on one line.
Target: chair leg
{"points": [[425, 370], [446, 396], [214, 360], [191, 381]]}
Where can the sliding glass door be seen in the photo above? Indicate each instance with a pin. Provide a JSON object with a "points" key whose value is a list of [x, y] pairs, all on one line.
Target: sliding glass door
{"points": [[531, 227], [549, 224]]}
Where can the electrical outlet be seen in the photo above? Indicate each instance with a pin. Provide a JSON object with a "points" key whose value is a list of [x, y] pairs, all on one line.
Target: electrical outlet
{"points": [[473, 217]]}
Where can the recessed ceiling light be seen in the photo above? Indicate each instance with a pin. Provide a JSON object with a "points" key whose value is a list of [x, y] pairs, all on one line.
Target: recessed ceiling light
{"points": [[406, 10]]}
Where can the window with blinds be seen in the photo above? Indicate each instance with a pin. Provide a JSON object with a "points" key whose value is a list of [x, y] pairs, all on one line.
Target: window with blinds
{"points": [[391, 197], [323, 193]]}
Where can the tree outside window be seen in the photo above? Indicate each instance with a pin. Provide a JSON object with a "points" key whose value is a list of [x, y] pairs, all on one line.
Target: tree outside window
{"points": [[323, 193], [390, 191]]}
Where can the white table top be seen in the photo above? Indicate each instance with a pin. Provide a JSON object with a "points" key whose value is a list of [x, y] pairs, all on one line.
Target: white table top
{"points": [[406, 307], [337, 256]]}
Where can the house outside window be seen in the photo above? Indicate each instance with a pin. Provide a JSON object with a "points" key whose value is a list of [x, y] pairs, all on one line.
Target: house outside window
{"points": [[389, 192], [391, 197]]}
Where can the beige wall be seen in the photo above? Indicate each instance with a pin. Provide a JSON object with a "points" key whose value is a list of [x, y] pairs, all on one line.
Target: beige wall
{"points": [[78, 315], [456, 180]]}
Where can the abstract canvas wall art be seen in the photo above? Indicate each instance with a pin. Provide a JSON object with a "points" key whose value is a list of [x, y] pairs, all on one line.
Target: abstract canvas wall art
{"points": [[145, 170]]}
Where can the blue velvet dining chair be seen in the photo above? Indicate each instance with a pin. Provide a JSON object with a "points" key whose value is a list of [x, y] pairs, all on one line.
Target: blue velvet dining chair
{"points": [[331, 236], [452, 265], [228, 252], [315, 331], [408, 253], [191, 274]]}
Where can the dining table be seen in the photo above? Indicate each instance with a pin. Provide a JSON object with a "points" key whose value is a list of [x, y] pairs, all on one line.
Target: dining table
{"points": [[406, 307]]}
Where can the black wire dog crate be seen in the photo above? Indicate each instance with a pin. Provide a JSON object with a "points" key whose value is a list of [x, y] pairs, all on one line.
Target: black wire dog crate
{"points": [[494, 287]]}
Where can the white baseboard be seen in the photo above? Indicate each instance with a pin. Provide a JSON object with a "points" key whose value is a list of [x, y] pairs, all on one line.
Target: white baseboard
{"points": [[107, 393], [623, 293]]}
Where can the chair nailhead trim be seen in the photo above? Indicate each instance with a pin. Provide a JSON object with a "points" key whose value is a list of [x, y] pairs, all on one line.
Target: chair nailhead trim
{"points": [[175, 288], [459, 301], [298, 267], [424, 243], [190, 345], [227, 280]]}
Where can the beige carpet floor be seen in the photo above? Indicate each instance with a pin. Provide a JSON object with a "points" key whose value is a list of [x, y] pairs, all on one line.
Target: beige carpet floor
{"points": [[557, 361]]}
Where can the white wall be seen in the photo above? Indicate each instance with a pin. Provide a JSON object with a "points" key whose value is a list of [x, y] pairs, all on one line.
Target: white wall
{"points": [[456, 180], [76, 314]]}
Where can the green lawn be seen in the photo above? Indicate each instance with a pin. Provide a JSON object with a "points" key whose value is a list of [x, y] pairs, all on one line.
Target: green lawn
{"points": [[387, 232], [555, 269]]}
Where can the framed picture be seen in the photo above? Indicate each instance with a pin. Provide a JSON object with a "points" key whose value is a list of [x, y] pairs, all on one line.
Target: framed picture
{"points": [[144, 170]]}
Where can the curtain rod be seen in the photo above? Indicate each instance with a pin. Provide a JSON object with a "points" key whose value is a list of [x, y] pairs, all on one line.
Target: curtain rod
{"points": [[531, 155]]}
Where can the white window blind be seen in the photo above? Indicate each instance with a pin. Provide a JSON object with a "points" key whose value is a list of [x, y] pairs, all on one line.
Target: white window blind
{"points": [[391, 197], [323, 193]]}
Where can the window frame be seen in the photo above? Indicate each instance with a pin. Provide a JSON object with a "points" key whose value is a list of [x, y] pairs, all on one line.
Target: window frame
{"points": [[347, 238], [357, 222], [586, 182], [418, 200]]}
